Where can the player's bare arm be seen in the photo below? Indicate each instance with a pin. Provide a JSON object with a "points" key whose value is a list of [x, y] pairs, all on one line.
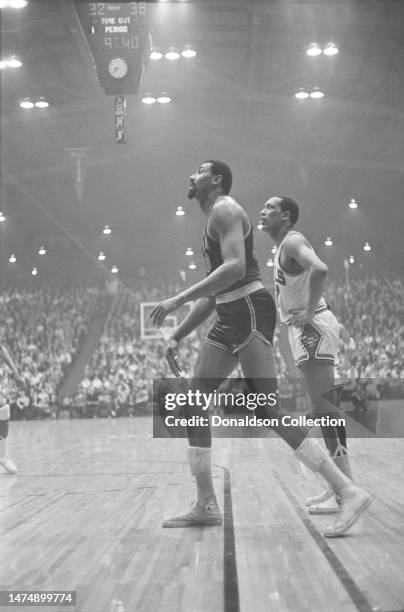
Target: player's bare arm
{"points": [[297, 248], [199, 312], [225, 225]]}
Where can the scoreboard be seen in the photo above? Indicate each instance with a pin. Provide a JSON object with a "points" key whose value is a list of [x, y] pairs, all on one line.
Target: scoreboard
{"points": [[118, 34]]}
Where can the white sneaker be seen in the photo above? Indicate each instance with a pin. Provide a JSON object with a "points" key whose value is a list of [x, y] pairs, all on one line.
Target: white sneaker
{"points": [[352, 505], [198, 516], [8, 465], [319, 499], [331, 506]]}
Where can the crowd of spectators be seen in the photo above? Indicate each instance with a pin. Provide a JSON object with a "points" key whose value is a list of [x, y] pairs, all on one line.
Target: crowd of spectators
{"points": [[373, 314], [45, 331]]}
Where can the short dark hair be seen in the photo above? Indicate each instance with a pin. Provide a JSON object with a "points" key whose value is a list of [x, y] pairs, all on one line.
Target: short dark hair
{"points": [[219, 167], [290, 206]]}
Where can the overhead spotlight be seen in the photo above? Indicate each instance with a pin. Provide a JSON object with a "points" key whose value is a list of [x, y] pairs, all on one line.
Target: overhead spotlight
{"points": [[273, 250], [34, 271], [107, 230], [114, 269], [13, 62], [17, 4], [328, 242], [164, 98], [172, 54], [188, 52], [189, 252], [259, 226], [41, 103], [12, 258], [367, 247], [302, 94], [27, 103], [330, 49], [180, 212], [192, 265], [316, 94], [2, 217], [42, 250], [149, 99], [156, 54], [351, 259], [313, 50], [101, 256], [353, 203], [270, 262]]}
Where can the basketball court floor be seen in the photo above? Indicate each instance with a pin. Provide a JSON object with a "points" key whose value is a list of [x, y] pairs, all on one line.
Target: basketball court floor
{"points": [[84, 515]]}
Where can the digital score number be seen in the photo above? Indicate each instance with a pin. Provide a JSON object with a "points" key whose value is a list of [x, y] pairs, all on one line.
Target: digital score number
{"points": [[117, 30]]}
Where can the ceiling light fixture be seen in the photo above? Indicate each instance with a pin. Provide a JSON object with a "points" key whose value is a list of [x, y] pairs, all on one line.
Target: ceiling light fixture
{"points": [[164, 98], [302, 94], [328, 242], [149, 99], [188, 52], [313, 50], [316, 94], [180, 212], [172, 54], [156, 54], [353, 203], [330, 49], [13, 62], [17, 4], [41, 103], [27, 103]]}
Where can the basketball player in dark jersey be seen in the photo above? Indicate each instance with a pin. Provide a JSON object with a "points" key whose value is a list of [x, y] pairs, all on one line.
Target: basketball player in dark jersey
{"points": [[243, 333]]}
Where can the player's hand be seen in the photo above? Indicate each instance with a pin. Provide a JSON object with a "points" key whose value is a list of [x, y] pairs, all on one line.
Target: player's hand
{"points": [[172, 357], [159, 312], [299, 317]]}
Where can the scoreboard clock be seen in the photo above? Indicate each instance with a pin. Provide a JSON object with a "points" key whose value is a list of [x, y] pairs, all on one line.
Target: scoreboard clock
{"points": [[118, 36]]}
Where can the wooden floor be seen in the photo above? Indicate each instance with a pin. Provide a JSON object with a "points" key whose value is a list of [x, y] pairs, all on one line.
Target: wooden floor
{"points": [[84, 514]]}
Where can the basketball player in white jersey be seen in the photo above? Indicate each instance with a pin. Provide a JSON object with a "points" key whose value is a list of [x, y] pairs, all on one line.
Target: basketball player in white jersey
{"points": [[314, 332], [242, 333], [5, 461]]}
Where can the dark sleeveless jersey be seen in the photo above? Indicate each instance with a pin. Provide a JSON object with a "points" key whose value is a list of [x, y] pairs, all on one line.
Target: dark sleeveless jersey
{"points": [[213, 259]]}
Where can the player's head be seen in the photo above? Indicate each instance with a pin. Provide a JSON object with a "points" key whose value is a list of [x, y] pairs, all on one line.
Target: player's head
{"points": [[279, 212], [212, 175]]}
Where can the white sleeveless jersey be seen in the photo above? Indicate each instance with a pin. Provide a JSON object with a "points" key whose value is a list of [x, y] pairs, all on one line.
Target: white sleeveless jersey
{"points": [[292, 290]]}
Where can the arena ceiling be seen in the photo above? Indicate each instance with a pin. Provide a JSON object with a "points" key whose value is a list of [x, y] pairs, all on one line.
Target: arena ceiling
{"points": [[234, 101]]}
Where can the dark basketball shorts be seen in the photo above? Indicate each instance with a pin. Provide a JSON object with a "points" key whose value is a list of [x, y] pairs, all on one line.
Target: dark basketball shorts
{"points": [[242, 319]]}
